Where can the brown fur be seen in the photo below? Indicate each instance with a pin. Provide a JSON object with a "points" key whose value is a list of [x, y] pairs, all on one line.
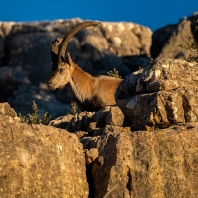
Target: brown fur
{"points": [[92, 93]]}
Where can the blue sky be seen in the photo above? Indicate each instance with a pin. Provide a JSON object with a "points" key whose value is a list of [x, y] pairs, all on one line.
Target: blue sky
{"points": [[150, 13]]}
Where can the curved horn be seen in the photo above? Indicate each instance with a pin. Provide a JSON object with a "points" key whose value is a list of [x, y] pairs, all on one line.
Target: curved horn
{"points": [[70, 34]]}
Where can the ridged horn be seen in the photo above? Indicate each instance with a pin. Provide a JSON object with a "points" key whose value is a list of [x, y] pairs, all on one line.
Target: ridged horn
{"points": [[70, 34]]}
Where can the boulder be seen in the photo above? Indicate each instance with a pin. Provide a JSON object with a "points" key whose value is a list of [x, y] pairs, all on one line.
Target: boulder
{"points": [[10, 80], [127, 38], [160, 38], [91, 121], [39, 161], [23, 98], [161, 94], [160, 163], [166, 40]]}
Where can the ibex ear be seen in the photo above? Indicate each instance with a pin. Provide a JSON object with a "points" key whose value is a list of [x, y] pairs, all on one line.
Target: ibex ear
{"points": [[70, 61], [54, 50]]}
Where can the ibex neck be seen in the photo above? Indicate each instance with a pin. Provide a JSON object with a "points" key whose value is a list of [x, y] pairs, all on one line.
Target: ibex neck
{"points": [[81, 83]]}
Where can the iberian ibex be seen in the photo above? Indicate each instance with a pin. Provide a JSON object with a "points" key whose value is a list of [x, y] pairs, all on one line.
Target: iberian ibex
{"points": [[92, 93]]}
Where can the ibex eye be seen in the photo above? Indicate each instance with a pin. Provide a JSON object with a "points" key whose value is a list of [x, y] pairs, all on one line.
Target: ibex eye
{"points": [[62, 69]]}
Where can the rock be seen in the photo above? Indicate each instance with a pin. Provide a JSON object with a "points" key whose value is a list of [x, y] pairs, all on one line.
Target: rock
{"points": [[8, 113], [162, 94], [40, 160], [25, 47], [127, 38], [110, 115], [160, 38], [115, 117], [24, 96], [92, 122], [134, 63], [92, 126], [108, 129], [162, 75], [10, 80], [22, 53], [91, 155], [175, 36], [161, 163], [81, 134], [162, 108], [62, 121], [100, 116]]}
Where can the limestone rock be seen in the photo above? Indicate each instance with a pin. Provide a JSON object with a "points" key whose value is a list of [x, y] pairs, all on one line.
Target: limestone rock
{"points": [[120, 35], [24, 96], [10, 80], [115, 116], [8, 113], [161, 163], [5, 109], [160, 38], [23, 54], [174, 36], [40, 161], [161, 94], [162, 75], [90, 121], [162, 108], [91, 155]]}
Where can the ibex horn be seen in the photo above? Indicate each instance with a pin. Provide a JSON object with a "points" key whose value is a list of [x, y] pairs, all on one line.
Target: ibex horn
{"points": [[70, 34]]}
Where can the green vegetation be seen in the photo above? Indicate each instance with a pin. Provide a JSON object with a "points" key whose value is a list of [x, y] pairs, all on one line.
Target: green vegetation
{"points": [[113, 73], [192, 47], [73, 109], [34, 117]]}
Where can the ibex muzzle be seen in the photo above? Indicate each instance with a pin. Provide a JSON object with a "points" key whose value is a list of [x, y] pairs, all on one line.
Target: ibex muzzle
{"points": [[92, 93]]}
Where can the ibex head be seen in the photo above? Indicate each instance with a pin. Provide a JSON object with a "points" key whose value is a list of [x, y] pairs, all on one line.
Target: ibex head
{"points": [[62, 67]]}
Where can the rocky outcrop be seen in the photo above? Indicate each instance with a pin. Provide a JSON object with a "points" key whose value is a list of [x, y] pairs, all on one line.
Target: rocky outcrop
{"points": [[99, 154], [44, 161], [161, 163], [109, 41], [124, 46], [45, 99], [38, 160], [25, 47], [166, 40], [158, 96], [91, 122], [162, 94]]}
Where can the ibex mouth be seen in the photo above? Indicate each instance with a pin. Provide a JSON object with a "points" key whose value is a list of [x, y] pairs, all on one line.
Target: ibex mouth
{"points": [[52, 87]]}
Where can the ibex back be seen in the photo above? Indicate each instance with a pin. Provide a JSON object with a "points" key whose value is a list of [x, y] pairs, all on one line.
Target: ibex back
{"points": [[92, 93]]}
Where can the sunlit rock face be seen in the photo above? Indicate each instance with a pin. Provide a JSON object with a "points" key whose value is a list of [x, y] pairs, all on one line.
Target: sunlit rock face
{"points": [[161, 94], [38, 160]]}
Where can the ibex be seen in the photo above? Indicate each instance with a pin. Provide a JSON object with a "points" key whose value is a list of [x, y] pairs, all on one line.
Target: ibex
{"points": [[92, 93]]}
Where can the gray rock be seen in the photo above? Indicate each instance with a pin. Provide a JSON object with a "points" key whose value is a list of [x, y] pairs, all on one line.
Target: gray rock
{"points": [[159, 95], [45, 99], [10, 80], [174, 36]]}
